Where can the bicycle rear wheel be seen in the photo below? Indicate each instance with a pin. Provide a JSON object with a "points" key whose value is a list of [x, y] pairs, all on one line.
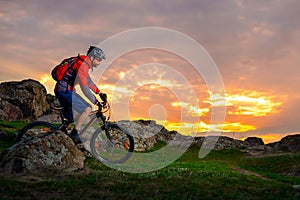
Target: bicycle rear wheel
{"points": [[115, 150], [35, 129]]}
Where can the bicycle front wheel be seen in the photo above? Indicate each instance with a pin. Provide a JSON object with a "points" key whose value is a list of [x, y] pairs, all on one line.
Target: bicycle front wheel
{"points": [[35, 129], [113, 145]]}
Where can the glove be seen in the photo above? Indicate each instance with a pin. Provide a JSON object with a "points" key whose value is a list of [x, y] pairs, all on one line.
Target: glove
{"points": [[97, 103], [103, 97]]}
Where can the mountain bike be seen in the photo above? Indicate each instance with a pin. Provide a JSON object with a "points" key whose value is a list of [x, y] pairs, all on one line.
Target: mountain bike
{"points": [[110, 143]]}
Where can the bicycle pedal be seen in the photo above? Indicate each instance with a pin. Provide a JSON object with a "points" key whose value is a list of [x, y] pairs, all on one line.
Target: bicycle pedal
{"points": [[87, 153], [80, 146]]}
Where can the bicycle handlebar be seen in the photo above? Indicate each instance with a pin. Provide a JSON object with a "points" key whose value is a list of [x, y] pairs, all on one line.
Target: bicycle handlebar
{"points": [[103, 107], [102, 104]]}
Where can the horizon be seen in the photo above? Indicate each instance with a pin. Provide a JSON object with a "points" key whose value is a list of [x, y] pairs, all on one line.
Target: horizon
{"points": [[242, 136], [254, 45]]}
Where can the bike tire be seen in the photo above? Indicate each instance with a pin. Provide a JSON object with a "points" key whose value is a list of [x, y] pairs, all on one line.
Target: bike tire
{"points": [[35, 129], [116, 151]]}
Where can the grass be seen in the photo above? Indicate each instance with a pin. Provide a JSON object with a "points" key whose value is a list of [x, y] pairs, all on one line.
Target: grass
{"points": [[283, 168], [205, 179], [10, 128], [189, 177]]}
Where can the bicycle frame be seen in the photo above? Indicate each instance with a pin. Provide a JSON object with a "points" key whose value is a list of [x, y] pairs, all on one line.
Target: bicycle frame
{"points": [[96, 115]]}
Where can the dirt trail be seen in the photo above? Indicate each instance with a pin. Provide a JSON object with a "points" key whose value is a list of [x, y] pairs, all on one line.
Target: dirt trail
{"points": [[246, 172]]}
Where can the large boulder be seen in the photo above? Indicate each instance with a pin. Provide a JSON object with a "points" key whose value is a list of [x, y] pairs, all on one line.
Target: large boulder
{"points": [[146, 133], [9, 111], [54, 153], [254, 141], [22, 100]]}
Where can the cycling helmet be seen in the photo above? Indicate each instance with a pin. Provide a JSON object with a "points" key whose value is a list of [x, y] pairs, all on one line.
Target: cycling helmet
{"points": [[96, 52]]}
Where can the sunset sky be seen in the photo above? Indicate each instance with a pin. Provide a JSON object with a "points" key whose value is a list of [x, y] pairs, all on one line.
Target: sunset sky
{"points": [[255, 45]]}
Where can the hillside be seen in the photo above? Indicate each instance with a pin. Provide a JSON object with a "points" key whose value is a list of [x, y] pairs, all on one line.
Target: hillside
{"points": [[222, 174], [226, 174]]}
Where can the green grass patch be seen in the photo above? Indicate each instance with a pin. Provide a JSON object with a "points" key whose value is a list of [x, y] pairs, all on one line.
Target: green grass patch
{"points": [[231, 156], [12, 124], [10, 128], [180, 180], [284, 168]]}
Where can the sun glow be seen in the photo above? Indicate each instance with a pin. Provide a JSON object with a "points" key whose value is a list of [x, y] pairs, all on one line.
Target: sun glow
{"points": [[157, 83], [115, 93], [247, 103], [239, 105], [48, 82], [122, 75], [194, 110], [186, 128], [255, 104]]}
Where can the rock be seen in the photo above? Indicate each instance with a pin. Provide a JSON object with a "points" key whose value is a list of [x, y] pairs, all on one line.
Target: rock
{"points": [[8, 111], [289, 143], [254, 141], [53, 153], [251, 145], [146, 133], [220, 142], [256, 149], [51, 100], [22, 100]]}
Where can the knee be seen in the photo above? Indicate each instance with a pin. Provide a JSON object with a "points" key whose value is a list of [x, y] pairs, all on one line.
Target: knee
{"points": [[88, 110]]}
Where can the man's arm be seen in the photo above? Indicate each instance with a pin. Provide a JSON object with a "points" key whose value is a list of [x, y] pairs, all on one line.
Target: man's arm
{"points": [[93, 86], [84, 77]]}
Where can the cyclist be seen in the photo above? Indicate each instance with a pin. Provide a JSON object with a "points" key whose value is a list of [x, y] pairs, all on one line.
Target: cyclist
{"points": [[69, 99]]}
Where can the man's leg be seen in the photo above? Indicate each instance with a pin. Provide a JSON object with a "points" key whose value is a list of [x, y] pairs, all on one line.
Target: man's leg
{"points": [[65, 99], [82, 118], [83, 108]]}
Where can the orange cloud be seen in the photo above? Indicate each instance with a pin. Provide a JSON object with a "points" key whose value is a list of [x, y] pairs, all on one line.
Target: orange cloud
{"points": [[252, 103], [193, 110], [248, 102], [186, 128]]}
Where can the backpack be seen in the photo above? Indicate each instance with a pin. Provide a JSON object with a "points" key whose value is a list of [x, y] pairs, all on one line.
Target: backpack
{"points": [[61, 70]]}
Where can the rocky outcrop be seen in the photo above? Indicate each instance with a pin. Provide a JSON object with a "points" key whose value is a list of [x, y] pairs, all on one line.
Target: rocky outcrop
{"points": [[220, 142], [251, 146], [53, 101], [22, 100], [254, 141], [147, 133], [254, 145], [53, 153], [290, 143]]}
